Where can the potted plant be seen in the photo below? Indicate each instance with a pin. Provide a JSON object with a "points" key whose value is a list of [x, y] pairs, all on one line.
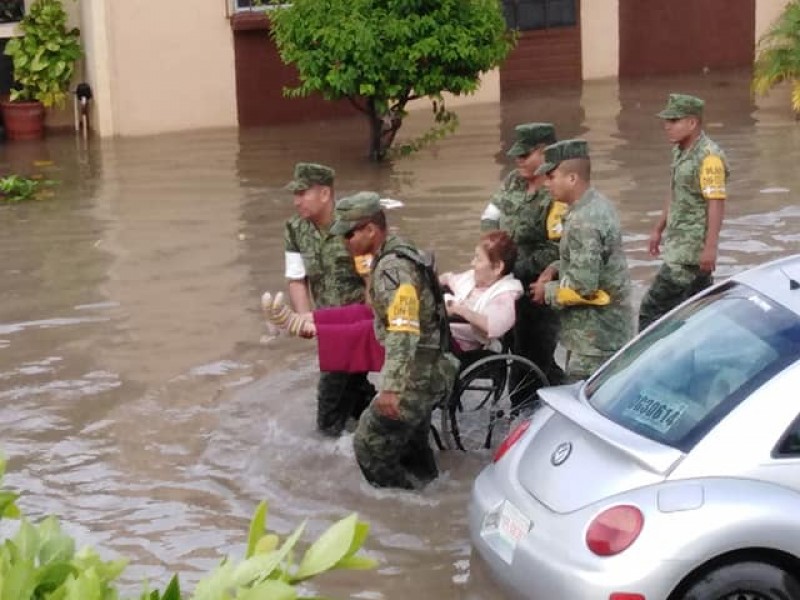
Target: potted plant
{"points": [[43, 63]]}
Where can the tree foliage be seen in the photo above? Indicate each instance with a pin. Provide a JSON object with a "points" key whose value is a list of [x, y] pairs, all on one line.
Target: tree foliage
{"points": [[778, 55], [381, 54]]}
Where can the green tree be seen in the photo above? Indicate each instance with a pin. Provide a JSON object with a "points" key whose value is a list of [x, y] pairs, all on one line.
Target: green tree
{"points": [[778, 55], [381, 54]]}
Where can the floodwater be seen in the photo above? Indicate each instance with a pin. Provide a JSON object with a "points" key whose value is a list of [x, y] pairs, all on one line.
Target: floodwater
{"points": [[139, 399]]}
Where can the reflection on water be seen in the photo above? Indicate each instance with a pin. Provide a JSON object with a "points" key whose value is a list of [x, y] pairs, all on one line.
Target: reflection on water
{"points": [[137, 399]]}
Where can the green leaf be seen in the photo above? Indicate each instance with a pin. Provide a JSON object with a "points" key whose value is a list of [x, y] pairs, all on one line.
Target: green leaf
{"points": [[52, 576], [257, 526], [27, 541], [330, 548], [262, 566], [19, 581], [269, 590], [356, 563], [173, 591]]}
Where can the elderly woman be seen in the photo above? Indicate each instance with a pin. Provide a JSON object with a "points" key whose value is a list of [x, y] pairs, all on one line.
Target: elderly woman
{"points": [[480, 302]]}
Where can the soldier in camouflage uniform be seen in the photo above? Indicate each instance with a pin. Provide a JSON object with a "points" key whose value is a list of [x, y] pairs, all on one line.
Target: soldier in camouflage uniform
{"points": [[593, 288], [391, 440], [525, 209], [692, 216], [320, 269]]}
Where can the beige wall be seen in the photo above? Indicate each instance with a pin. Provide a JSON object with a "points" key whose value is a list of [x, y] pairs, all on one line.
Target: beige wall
{"points": [[159, 66], [766, 12], [600, 38]]}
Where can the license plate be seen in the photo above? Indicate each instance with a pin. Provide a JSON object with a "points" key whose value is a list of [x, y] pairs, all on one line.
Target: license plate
{"points": [[504, 527]]}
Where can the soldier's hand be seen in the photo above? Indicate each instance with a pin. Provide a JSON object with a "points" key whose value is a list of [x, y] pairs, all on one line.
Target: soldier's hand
{"points": [[708, 260], [654, 245], [537, 291], [388, 405]]}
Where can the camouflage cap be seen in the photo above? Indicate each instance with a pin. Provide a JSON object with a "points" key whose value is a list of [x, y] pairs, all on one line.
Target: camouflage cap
{"points": [[561, 151], [529, 135], [351, 210], [307, 175], [682, 105]]}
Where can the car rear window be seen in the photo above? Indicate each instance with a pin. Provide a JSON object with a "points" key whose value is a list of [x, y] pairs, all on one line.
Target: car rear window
{"points": [[676, 381]]}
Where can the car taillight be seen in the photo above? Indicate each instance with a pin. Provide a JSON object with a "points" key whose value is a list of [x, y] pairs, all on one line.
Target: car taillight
{"points": [[512, 439], [626, 596], [614, 530]]}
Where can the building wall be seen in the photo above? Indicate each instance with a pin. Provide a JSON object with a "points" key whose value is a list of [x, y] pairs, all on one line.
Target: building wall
{"points": [[160, 66], [192, 67], [261, 77], [684, 36]]}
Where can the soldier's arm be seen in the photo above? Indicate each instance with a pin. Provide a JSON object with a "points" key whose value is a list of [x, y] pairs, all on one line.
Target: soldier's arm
{"points": [[394, 287], [490, 219], [295, 272], [712, 185], [580, 279]]}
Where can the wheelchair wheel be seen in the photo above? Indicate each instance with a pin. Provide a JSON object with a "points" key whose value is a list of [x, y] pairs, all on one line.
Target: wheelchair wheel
{"points": [[488, 397]]}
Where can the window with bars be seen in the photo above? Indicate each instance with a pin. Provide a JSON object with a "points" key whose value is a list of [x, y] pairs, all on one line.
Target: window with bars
{"points": [[525, 15]]}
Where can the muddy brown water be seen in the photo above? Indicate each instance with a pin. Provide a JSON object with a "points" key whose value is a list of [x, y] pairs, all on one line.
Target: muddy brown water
{"points": [[139, 400]]}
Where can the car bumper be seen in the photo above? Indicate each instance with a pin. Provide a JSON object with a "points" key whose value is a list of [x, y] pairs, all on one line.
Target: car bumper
{"points": [[542, 566]]}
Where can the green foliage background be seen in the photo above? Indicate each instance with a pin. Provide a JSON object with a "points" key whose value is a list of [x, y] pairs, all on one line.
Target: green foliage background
{"points": [[778, 55]]}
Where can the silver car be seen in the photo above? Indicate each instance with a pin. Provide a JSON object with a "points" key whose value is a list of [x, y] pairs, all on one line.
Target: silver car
{"points": [[673, 473]]}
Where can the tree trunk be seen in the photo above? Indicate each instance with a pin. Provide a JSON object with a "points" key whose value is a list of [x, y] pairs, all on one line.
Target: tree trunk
{"points": [[376, 151], [382, 129]]}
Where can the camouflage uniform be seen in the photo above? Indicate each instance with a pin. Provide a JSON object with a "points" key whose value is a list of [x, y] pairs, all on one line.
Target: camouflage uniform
{"points": [[333, 281], [534, 222], [410, 322], [698, 174], [591, 262]]}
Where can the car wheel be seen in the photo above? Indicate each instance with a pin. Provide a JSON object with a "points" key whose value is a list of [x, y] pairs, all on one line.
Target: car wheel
{"points": [[745, 581]]}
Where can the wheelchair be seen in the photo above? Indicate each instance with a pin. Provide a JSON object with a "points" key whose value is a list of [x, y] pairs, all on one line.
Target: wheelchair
{"points": [[493, 390]]}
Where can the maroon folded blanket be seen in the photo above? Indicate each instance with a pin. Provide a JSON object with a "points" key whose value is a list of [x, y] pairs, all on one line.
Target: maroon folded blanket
{"points": [[346, 339]]}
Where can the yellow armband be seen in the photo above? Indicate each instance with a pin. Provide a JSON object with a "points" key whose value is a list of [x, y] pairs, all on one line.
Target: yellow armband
{"points": [[363, 264], [569, 297], [712, 178], [403, 312], [554, 220]]}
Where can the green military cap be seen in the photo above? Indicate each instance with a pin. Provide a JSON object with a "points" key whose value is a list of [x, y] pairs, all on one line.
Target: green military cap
{"points": [[307, 175], [351, 210], [682, 105], [561, 151], [529, 135]]}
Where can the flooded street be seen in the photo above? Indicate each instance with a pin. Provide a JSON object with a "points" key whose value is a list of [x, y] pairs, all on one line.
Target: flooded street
{"points": [[138, 400]]}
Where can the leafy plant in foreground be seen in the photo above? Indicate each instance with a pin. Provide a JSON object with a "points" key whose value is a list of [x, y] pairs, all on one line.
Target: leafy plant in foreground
{"points": [[17, 188], [39, 562]]}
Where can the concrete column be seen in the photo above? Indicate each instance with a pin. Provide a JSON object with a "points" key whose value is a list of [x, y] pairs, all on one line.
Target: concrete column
{"points": [[98, 63], [600, 38]]}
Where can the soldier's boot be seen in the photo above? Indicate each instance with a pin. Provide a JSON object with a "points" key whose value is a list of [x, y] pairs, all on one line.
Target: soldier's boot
{"points": [[280, 314]]}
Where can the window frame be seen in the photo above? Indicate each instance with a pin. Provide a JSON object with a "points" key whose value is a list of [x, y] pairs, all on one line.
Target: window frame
{"points": [[513, 5]]}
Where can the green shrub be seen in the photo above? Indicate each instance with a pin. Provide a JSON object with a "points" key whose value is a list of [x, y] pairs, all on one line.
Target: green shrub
{"points": [[39, 562]]}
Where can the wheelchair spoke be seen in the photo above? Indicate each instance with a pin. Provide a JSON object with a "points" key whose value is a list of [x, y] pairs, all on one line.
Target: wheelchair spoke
{"points": [[490, 395]]}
